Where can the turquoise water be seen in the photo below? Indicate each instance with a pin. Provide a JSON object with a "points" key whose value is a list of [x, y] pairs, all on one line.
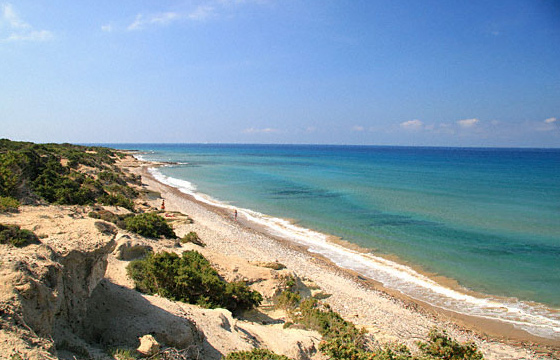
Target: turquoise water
{"points": [[488, 218]]}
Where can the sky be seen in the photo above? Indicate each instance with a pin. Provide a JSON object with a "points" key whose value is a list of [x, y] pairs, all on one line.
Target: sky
{"points": [[364, 72]]}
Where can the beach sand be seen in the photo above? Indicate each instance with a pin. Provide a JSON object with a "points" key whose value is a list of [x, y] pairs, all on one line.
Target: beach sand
{"points": [[388, 315]]}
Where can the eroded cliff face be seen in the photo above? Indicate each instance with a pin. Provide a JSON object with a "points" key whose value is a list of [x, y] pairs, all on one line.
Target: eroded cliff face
{"points": [[44, 288], [69, 297]]}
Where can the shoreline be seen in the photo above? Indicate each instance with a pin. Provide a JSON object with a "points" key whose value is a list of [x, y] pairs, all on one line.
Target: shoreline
{"points": [[482, 331]]}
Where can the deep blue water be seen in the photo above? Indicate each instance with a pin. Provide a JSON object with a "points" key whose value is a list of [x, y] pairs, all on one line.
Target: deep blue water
{"points": [[488, 218]]}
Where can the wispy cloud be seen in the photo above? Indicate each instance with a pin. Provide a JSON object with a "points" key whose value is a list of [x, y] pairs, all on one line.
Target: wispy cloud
{"points": [[549, 124], [107, 28], [467, 123], [202, 12], [160, 19], [412, 124], [260, 131], [358, 128], [18, 29]]}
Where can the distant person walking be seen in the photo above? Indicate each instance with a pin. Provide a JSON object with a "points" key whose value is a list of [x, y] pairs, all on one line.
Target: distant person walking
{"points": [[162, 204], [235, 214]]}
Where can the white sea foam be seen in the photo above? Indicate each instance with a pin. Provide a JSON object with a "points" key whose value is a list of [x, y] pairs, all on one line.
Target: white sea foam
{"points": [[533, 318], [142, 155]]}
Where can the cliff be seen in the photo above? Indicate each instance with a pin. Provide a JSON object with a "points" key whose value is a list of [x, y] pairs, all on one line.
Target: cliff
{"points": [[69, 297]]}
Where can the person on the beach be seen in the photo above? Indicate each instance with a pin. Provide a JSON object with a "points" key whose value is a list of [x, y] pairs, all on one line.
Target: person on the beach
{"points": [[162, 204], [235, 214]]}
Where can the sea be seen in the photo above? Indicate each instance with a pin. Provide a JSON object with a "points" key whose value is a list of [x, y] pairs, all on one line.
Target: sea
{"points": [[471, 230]]}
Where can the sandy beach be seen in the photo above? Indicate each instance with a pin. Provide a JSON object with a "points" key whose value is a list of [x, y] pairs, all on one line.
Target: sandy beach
{"points": [[386, 314]]}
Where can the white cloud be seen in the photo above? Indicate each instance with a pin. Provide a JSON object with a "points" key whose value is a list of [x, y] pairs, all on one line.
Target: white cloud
{"points": [[211, 8], [467, 123], [42, 35], [202, 12], [137, 24], [550, 124], [107, 28], [358, 128], [163, 19], [412, 124], [260, 131], [18, 29], [12, 19]]}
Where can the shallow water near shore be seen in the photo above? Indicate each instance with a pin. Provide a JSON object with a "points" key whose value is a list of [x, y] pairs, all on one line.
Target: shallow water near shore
{"points": [[488, 218]]}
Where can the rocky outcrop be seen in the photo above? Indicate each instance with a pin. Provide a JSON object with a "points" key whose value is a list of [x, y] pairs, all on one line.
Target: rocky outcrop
{"points": [[128, 248], [44, 288], [70, 297], [81, 273]]}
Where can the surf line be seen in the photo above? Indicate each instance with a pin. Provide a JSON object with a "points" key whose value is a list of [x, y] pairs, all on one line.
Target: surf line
{"points": [[536, 320]]}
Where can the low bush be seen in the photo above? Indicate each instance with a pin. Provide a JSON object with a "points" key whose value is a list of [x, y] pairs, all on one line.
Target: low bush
{"points": [[117, 200], [110, 177], [320, 317], [123, 354], [149, 225], [191, 279], [255, 354], [8, 204], [51, 173], [192, 237], [441, 346], [13, 234], [343, 341], [289, 299], [108, 216]]}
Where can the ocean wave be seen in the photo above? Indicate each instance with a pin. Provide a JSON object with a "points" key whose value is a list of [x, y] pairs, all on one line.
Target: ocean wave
{"points": [[536, 319]]}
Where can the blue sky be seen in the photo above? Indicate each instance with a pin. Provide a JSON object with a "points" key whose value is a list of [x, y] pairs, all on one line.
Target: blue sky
{"points": [[395, 72]]}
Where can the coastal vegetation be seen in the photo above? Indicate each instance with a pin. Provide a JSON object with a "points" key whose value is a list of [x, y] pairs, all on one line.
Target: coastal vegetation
{"points": [[8, 204], [192, 237], [255, 354], [13, 234], [63, 174], [342, 340], [190, 278], [150, 225]]}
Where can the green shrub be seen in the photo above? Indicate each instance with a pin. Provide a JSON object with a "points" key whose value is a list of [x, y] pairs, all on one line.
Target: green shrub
{"points": [[190, 278], [441, 346], [35, 171], [106, 215], [343, 348], [13, 234], [117, 200], [123, 354], [110, 177], [320, 317], [192, 237], [289, 298], [149, 225], [8, 204], [255, 354], [342, 340]]}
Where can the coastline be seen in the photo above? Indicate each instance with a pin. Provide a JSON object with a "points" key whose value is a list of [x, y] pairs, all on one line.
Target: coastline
{"points": [[388, 314]]}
